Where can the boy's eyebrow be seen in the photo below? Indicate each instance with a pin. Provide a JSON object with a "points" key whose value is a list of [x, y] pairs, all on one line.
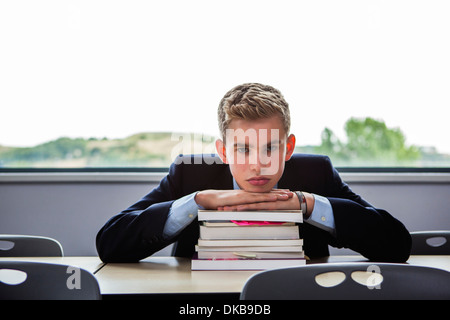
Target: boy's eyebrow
{"points": [[274, 142], [240, 145]]}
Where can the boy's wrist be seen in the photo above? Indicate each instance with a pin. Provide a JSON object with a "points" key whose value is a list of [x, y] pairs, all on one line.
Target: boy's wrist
{"points": [[198, 198], [302, 202], [196, 202], [306, 202]]}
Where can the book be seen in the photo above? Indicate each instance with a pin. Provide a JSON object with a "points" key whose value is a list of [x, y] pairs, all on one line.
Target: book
{"points": [[249, 248], [249, 232], [202, 254], [234, 223], [249, 240], [244, 264], [264, 215]]}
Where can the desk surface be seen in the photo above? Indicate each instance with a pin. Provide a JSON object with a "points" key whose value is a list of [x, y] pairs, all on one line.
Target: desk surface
{"points": [[161, 275], [91, 264], [169, 275]]}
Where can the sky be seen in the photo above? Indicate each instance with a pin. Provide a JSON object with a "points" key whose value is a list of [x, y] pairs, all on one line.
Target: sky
{"points": [[115, 68]]}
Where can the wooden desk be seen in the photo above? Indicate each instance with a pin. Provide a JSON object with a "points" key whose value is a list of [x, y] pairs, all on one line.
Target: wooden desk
{"points": [[169, 275], [91, 264]]}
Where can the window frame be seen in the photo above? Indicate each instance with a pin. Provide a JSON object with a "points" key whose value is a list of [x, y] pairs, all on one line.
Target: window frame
{"points": [[362, 175]]}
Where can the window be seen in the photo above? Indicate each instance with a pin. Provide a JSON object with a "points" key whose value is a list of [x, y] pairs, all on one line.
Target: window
{"points": [[124, 83]]}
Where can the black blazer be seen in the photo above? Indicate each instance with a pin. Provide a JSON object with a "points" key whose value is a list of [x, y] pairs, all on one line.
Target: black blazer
{"points": [[137, 232]]}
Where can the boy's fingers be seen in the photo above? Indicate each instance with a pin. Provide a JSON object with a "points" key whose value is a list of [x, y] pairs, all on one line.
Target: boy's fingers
{"points": [[257, 197], [247, 198], [263, 197], [283, 195], [257, 206], [219, 199], [283, 192]]}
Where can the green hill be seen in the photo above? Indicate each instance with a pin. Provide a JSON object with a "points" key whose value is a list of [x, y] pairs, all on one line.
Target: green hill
{"points": [[154, 149]]}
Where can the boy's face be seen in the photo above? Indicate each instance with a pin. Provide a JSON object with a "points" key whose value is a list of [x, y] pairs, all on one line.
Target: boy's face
{"points": [[256, 151]]}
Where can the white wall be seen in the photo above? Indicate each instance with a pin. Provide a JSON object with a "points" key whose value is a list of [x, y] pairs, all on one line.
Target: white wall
{"points": [[72, 208]]}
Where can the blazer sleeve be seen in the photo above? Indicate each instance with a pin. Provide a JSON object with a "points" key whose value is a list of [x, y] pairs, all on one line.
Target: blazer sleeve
{"points": [[137, 232], [372, 232]]}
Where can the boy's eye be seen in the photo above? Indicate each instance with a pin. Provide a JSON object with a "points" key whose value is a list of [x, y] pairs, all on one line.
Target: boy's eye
{"points": [[243, 150], [271, 148]]}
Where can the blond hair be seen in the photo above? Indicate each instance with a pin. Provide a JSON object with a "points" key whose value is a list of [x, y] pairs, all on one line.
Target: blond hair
{"points": [[252, 101]]}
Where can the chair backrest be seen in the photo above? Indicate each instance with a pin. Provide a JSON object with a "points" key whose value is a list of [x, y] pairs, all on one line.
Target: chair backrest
{"points": [[430, 242], [29, 246], [349, 281], [45, 281]]}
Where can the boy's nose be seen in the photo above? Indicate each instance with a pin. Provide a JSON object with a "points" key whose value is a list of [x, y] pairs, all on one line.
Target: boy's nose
{"points": [[255, 167], [259, 161]]}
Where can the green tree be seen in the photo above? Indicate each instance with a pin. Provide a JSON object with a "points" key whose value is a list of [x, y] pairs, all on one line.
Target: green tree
{"points": [[369, 142], [331, 145]]}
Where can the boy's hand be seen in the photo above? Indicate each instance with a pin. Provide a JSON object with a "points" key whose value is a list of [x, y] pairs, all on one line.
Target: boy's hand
{"points": [[291, 203], [232, 199]]}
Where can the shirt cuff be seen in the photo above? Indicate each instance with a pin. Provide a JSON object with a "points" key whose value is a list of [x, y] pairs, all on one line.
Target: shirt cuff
{"points": [[182, 213], [322, 215]]}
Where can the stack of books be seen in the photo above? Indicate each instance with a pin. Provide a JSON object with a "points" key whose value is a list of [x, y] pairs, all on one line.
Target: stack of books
{"points": [[250, 240]]}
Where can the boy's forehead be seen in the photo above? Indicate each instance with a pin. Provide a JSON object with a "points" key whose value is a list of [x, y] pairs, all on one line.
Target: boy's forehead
{"points": [[266, 128]]}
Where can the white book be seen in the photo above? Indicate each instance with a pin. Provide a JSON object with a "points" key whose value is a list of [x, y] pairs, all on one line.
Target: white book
{"points": [[264, 215], [226, 223], [250, 242], [249, 255], [252, 249], [245, 264], [249, 232]]}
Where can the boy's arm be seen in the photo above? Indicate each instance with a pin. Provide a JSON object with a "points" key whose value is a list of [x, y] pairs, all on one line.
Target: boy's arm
{"points": [[371, 231], [181, 214], [322, 215], [133, 235], [137, 232]]}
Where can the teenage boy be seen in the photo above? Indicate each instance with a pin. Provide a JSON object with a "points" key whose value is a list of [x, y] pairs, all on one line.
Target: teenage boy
{"points": [[255, 169]]}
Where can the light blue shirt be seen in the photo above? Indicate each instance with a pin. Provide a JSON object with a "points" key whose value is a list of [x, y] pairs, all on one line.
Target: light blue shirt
{"points": [[184, 210]]}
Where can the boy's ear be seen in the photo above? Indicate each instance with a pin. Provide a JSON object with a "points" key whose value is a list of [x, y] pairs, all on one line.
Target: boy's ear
{"points": [[221, 150], [290, 146]]}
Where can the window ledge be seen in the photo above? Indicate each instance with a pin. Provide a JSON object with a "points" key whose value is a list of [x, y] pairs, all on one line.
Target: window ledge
{"points": [[123, 177], [396, 177]]}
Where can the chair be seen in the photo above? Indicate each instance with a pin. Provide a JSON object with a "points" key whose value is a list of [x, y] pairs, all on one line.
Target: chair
{"points": [[29, 246], [430, 242], [349, 281], [45, 281]]}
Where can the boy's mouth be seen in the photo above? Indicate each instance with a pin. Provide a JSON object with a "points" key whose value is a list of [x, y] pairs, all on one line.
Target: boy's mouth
{"points": [[258, 181]]}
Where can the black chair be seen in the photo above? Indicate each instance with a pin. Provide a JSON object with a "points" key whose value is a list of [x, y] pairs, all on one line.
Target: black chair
{"points": [[29, 246], [430, 242], [45, 281], [349, 281]]}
